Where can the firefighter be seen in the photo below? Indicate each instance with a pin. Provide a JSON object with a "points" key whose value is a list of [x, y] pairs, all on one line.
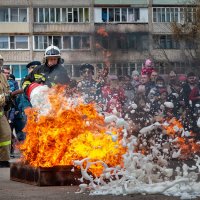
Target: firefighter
{"points": [[5, 131], [50, 73]]}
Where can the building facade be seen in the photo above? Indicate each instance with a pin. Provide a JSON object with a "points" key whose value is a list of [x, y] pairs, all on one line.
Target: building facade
{"points": [[120, 34]]}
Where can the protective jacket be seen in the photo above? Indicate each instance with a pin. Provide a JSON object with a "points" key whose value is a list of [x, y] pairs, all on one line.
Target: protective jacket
{"points": [[5, 131], [47, 75]]}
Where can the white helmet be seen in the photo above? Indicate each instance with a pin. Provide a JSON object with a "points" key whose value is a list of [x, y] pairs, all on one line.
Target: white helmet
{"points": [[52, 51]]}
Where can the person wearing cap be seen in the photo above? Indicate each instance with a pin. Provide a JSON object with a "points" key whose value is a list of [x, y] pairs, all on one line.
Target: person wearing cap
{"points": [[154, 92], [88, 86], [5, 131], [135, 79], [32, 65]]}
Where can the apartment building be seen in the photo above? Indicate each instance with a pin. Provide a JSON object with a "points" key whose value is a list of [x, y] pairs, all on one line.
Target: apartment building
{"points": [[132, 31]]}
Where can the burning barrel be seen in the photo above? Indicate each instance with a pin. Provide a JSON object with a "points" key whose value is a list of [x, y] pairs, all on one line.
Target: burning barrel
{"points": [[45, 176]]}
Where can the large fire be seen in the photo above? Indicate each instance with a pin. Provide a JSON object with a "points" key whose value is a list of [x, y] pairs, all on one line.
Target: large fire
{"points": [[70, 131]]}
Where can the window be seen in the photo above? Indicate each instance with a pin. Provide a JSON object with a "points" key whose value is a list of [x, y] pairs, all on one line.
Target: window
{"points": [[123, 69], [52, 15], [46, 10], [123, 42], [35, 15], [133, 41], [165, 42], [4, 42], [57, 15], [191, 44], [56, 40], [81, 18], [131, 17], [111, 14], [41, 15], [75, 13], [181, 67], [137, 14], [163, 15], [168, 15], [86, 14], [80, 42], [19, 42], [104, 15], [124, 14], [85, 42], [112, 69], [62, 42], [40, 42], [117, 14], [14, 42], [174, 14], [4, 15], [23, 15], [144, 42], [76, 70], [19, 71], [120, 14], [67, 42], [64, 15], [13, 14]]}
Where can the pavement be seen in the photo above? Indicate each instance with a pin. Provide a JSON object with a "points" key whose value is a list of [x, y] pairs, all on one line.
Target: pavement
{"points": [[12, 190]]}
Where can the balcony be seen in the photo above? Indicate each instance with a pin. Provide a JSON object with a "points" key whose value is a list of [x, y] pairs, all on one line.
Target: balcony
{"points": [[62, 28]]}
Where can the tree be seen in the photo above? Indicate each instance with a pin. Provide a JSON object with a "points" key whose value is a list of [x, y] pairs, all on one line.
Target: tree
{"points": [[187, 32]]}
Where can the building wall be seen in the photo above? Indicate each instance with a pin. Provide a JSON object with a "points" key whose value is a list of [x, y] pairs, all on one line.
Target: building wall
{"points": [[75, 57]]}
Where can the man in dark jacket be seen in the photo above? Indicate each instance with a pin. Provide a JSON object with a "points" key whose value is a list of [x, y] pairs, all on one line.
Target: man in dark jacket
{"points": [[51, 73]]}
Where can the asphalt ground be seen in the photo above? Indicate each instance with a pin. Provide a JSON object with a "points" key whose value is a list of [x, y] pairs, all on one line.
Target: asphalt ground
{"points": [[12, 190]]}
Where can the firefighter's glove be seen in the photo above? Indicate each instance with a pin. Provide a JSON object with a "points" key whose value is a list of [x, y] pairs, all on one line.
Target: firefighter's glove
{"points": [[39, 80]]}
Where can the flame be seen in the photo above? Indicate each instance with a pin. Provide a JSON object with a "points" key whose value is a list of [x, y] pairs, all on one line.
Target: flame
{"points": [[69, 132], [101, 31], [173, 127], [105, 53], [188, 146]]}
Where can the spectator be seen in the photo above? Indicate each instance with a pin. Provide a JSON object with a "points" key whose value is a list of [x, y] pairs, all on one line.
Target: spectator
{"points": [[135, 79], [88, 86], [148, 67], [114, 95], [128, 89]]}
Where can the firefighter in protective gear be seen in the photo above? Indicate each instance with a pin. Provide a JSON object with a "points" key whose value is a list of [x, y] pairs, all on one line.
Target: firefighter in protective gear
{"points": [[50, 73], [5, 131]]}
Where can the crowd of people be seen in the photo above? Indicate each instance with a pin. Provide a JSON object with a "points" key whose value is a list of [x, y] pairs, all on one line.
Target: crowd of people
{"points": [[141, 98]]}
